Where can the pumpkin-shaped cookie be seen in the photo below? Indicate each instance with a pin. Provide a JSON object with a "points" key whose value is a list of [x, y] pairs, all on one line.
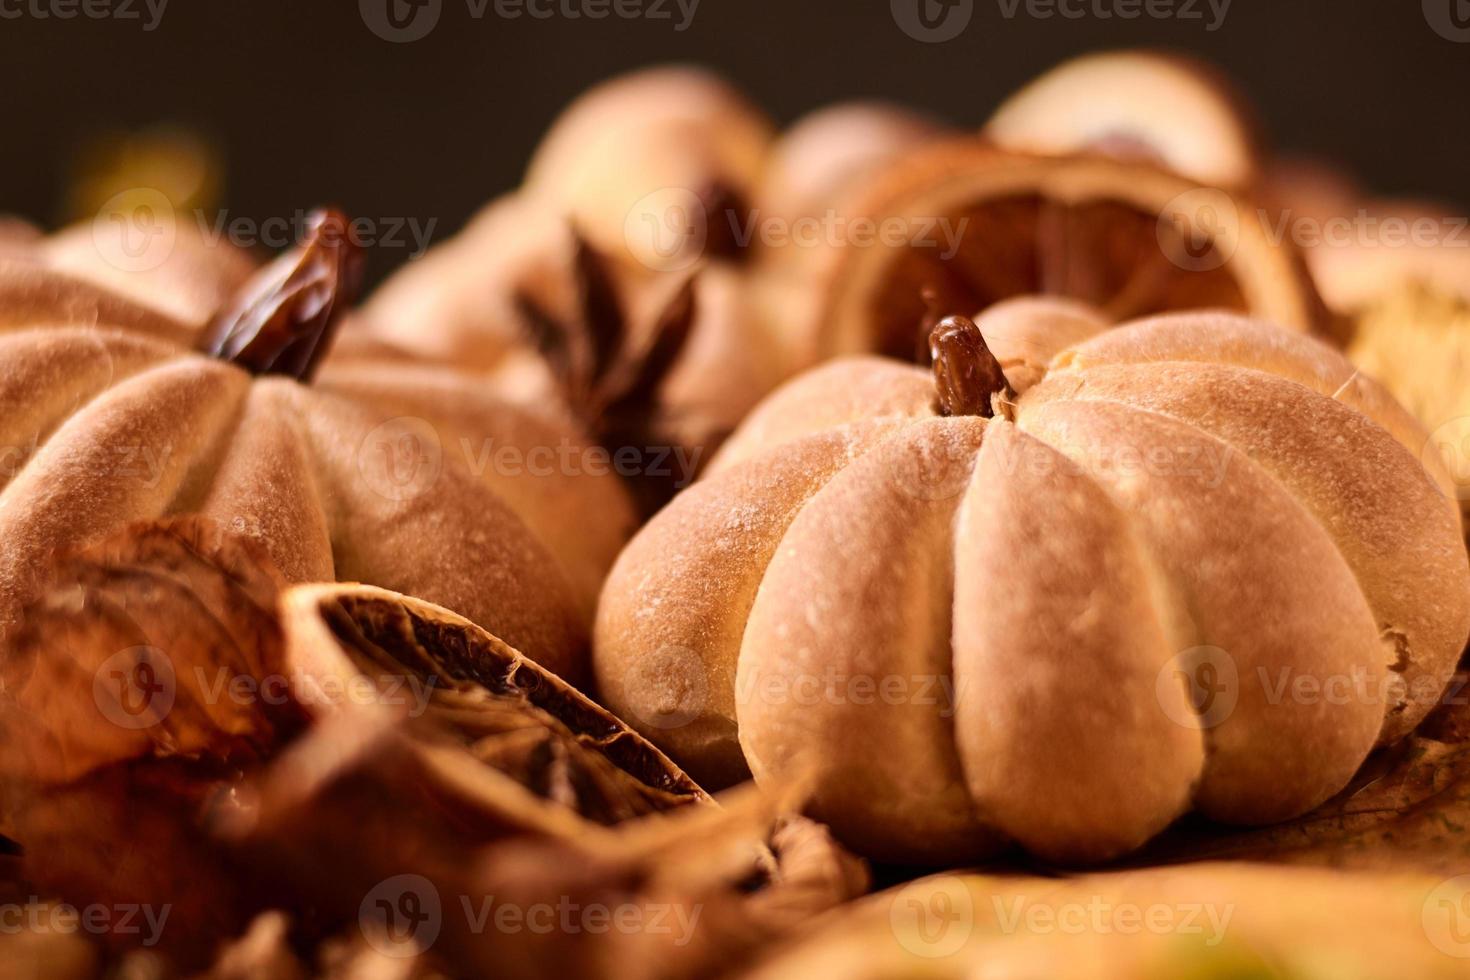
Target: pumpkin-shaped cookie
{"points": [[1199, 563], [383, 470]]}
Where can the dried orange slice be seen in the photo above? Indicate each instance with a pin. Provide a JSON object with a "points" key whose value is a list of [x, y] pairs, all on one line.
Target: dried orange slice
{"points": [[962, 225], [1169, 109]]}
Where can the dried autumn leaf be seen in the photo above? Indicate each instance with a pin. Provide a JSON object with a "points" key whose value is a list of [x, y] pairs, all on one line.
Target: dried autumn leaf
{"points": [[128, 836], [374, 736], [119, 722], [143, 688], [131, 655], [704, 891], [702, 888], [389, 811]]}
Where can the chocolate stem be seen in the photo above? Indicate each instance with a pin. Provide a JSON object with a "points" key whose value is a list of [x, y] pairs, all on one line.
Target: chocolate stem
{"points": [[966, 374], [281, 321]]}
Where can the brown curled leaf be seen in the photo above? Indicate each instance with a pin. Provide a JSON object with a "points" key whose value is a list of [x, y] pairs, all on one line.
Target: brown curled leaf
{"points": [[729, 883], [132, 654], [457, 833], [403, 740]]}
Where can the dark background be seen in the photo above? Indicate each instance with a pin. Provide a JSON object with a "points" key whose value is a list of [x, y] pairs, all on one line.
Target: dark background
{"points": [[306, 104]]}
